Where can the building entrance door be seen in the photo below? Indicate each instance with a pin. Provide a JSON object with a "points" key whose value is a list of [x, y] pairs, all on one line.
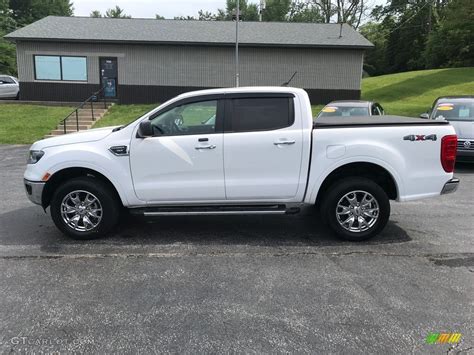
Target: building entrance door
{"points": [[109, 76]]}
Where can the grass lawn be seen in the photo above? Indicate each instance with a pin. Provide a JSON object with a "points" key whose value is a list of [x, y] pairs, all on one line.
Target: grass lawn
{"points": [[412, 93], [122, 114], [22, 124]]}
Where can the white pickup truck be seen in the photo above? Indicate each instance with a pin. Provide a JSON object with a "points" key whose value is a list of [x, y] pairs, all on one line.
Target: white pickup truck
{"points": [[241, 151]]}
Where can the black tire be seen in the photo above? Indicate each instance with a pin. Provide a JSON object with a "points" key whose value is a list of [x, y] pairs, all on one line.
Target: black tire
{"points": [[107, 199], [337, 193]]}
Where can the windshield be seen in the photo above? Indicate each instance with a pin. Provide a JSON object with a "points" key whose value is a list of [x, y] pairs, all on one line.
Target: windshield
{"points": [[455, 111], [343, 111]]}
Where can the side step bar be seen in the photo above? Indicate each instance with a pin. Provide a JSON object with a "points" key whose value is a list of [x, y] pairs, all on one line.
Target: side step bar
{"points": [[213, 210]]}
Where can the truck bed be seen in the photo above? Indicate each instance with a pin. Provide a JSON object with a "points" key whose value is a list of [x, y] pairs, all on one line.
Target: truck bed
{"points": [[364, 121]]}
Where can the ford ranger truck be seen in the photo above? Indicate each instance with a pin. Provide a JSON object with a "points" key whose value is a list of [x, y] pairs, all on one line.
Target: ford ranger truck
{"points": [[249, 150]]}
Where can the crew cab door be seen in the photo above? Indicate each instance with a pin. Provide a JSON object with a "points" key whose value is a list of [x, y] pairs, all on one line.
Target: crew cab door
{"points": [[183, 161], [263, 144]]}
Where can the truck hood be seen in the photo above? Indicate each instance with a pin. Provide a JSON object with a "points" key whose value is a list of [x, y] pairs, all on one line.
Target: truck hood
{"points": [[90, 135], [464, 129]]}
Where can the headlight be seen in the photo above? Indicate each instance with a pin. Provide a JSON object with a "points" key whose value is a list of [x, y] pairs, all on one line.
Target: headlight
{"points": [[34, 156]]}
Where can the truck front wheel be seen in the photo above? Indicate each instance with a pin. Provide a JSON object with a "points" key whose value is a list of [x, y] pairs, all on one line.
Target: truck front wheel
{"points": [[356, 208], [85, 208]]}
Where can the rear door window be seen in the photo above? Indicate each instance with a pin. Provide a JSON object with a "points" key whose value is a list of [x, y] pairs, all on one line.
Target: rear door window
{"points": [[261, 113], [6, 80]]}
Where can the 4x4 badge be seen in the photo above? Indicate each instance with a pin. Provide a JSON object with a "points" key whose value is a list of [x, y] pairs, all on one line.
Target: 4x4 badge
{"points": [[420, 137]]}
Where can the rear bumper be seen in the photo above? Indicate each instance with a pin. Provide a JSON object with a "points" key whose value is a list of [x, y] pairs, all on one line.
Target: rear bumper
{"points": [[465, 155], [450, 186], [34, 190]]}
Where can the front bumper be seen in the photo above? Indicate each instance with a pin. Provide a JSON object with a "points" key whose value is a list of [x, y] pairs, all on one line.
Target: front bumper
{"points": [[450, 186], [34, 191]]}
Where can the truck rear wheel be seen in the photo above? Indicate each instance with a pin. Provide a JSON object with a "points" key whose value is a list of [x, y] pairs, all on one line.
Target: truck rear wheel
{"points": [[85, 208], [356, 208]]}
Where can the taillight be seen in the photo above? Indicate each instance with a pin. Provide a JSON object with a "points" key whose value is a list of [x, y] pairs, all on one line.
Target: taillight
{"points": [[449, 147]]}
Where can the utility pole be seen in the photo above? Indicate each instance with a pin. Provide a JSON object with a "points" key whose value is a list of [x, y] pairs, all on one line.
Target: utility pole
{"points": [[261, 9], [237, 18]]}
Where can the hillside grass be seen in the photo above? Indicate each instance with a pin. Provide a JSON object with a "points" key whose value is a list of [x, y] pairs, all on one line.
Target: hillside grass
{"points": [[23, 124], [122, 114], [412, 93]]}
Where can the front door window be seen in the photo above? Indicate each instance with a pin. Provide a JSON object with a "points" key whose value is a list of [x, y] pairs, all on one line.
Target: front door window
{"points": [[193, 118]]}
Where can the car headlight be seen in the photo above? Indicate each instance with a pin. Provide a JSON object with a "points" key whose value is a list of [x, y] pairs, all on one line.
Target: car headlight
{"points": [[34, 156]]}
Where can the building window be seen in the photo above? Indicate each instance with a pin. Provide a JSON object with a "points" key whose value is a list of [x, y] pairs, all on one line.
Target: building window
{"points": [[49, 67]]}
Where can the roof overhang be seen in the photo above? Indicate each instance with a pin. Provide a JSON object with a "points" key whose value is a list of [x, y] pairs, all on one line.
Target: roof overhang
{"points": [[184, 43]]}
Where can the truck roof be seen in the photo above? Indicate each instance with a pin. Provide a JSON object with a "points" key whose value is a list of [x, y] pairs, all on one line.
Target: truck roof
{"points": [[244, 89]]}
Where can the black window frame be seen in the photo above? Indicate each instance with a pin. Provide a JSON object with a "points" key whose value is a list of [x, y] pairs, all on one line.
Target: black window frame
{"points": [[60, 67], [374, 111], [219, 124], [229, 111], [379, 106]]}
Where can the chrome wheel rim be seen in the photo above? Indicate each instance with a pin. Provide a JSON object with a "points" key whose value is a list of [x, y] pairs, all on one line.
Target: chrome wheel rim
{"points": [[357, 211], [81, 210]]}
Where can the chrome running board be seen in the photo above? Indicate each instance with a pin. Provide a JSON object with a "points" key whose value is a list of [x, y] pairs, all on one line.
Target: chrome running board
{"points": [[213, 210], [208, 213]]}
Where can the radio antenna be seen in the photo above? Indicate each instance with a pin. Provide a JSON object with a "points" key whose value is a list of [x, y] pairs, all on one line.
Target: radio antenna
{"points": [[289, 81]]}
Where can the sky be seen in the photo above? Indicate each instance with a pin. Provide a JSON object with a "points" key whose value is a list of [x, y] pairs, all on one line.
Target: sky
{"points": [[148, 8]]}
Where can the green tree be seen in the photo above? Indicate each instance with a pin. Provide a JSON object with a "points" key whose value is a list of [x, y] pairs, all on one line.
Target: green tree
{"points": [[7, 49], [25, 12], [406, 26], [159, 17], [452, 43], [95, 14], [116, 12], [248, 11], [302, 11], [277, 10], [375, 62]]}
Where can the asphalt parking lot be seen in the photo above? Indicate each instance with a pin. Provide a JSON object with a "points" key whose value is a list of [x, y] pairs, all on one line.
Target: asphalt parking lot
{"points": [[236, 284]]}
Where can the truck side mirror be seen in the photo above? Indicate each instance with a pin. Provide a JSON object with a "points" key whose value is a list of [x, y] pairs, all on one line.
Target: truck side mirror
{"points": [[145, 129], [425, 115]]}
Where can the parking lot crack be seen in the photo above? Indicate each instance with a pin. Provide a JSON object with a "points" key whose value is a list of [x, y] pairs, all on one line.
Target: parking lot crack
{"points": [[445, 259]]}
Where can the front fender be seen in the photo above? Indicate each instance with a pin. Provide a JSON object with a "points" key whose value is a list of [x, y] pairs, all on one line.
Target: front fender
{"points": [[115, 168]]}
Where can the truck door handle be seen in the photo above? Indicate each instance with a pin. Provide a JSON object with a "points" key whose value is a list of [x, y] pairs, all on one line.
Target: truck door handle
{"points": [[212, 146], [284, 142]]}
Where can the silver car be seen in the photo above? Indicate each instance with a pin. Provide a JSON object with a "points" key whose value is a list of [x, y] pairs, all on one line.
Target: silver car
{"points": [[351, 108], [9, 87], [459, 111]]}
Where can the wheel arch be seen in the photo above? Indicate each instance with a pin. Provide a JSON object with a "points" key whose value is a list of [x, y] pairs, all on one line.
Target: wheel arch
{"points": [[371, 171], [65, 174]]}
